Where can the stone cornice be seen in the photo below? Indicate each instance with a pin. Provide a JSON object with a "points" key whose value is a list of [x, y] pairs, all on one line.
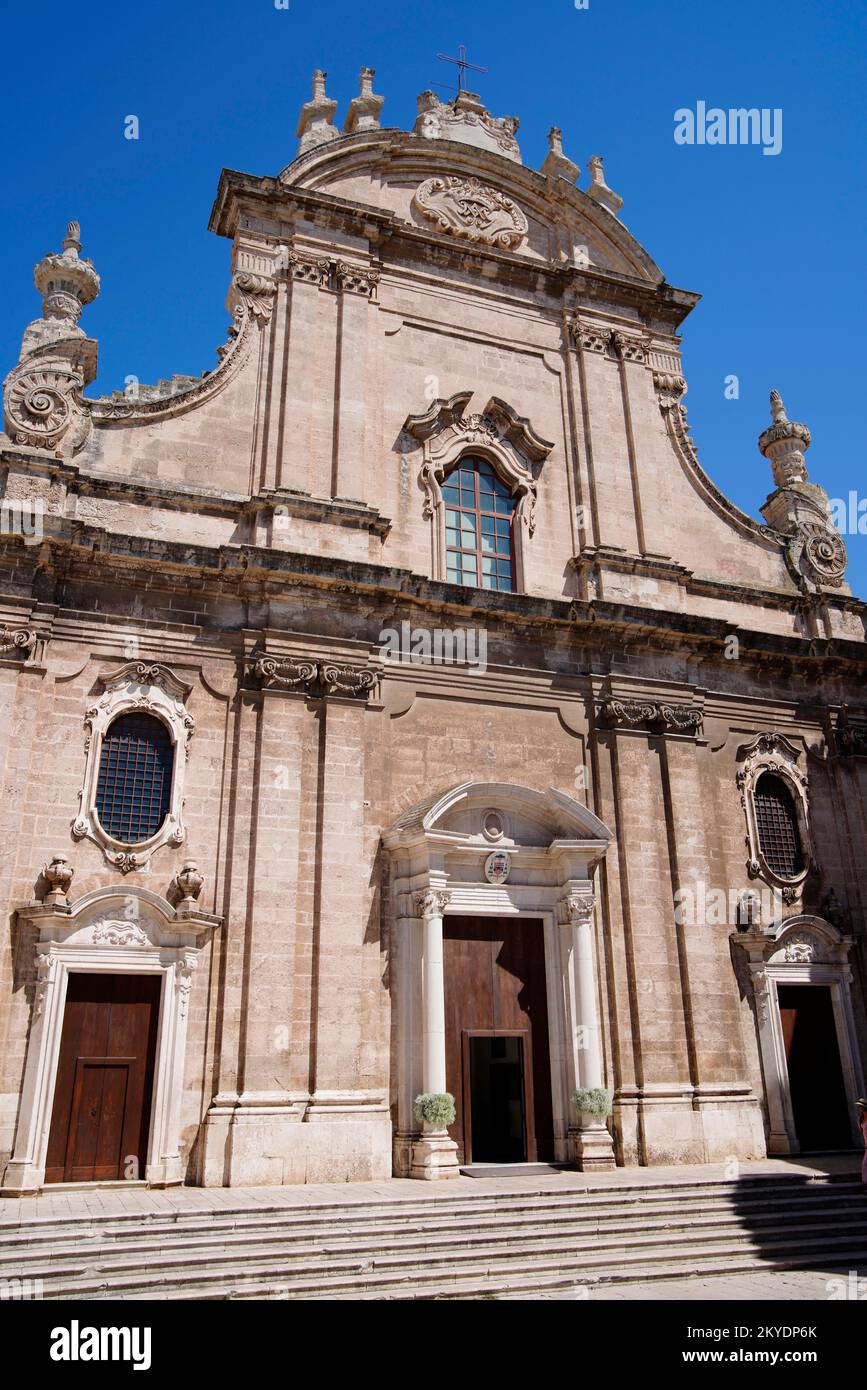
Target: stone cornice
{"points": [[77, 548], [386, 231]]}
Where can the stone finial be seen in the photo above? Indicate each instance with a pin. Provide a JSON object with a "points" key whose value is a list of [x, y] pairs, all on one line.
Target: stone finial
{"points": [[188, 883], [363, 113], [783, 444], [72, 240], [556, 165], [42, 403], [58, 873], [798, 509], [316, 122], [66, 283], [599, 189]]}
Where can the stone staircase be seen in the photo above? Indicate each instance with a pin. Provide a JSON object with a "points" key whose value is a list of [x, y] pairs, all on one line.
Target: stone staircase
{"points": [[455, 1245]]}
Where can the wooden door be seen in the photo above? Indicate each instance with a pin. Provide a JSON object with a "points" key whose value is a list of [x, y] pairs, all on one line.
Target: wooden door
{"points": [[495, 990], [102, 1096], [815, 1074]]}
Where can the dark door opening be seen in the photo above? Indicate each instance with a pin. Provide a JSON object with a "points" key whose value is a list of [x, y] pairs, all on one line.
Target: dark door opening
{"points": [[498, 1065], [815, 1074], [102, 1095], [497, 1085]]}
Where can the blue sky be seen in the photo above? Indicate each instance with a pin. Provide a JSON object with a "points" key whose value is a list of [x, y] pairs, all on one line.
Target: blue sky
{"points": [[773, 243]]}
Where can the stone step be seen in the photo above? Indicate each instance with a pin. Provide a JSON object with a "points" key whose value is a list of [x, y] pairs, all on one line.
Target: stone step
{"points": [[21, 1253], [301, 1223], [753, 1191], [408, 1277]]}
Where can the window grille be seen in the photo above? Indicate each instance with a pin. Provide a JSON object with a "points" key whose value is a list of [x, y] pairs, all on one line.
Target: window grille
{"points": [[135, 777], [777, 822]]}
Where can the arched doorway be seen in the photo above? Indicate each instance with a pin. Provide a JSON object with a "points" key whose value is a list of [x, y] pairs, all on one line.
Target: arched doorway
{"points": [[494, 982]]}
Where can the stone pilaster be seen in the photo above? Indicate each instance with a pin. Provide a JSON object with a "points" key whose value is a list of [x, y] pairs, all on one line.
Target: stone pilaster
{"points": [[348, 1120], [730, 1115]]}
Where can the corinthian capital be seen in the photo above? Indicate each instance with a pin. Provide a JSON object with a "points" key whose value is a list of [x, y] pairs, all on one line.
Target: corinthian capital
{"points": [[575, 909], [432, 902]]}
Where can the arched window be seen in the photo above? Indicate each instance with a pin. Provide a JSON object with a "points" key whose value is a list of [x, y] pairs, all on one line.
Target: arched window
{"points": [[133, 789], [480, 512], [777, 825]]}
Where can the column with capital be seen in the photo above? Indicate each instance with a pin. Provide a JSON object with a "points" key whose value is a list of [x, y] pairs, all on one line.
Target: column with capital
{"points": [[434, 1153], [592, 1146]]}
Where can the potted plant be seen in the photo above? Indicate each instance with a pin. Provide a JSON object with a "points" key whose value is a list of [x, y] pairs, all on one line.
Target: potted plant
{"points": [[435, 1109], [593, 1103]]}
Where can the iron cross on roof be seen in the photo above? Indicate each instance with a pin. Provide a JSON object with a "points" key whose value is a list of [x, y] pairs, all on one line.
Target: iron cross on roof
{"points": [[461, 63]]}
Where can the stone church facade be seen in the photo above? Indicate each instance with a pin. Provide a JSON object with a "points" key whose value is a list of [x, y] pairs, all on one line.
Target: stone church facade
{"points": [[399, 709]]}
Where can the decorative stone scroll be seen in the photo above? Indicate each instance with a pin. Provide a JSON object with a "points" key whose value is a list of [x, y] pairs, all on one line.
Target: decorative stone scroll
{"points": [[354, 279], [315, 679], [628, 348], [851, 738], [678, 719], [475, 211], [798, 509], [17, 642]]}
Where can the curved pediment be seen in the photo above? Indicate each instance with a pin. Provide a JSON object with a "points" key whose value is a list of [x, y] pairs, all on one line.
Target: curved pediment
{"points": [[495, 813], [472, 197]]}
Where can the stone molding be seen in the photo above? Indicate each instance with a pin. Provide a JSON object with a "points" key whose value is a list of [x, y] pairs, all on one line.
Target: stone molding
{"points": [[152, 689]]}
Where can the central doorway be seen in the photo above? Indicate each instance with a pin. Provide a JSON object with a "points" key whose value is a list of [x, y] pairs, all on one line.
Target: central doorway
{"points": [[816, 1086], [497, 1056], [102, 1097]]}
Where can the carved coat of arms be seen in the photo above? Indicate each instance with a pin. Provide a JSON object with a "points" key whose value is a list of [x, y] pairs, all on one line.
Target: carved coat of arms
{"points": [[471, 209]]}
